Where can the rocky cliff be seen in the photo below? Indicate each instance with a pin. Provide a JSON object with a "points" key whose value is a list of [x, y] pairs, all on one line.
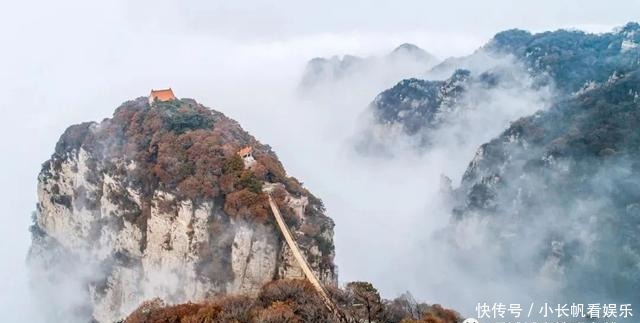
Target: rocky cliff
{"points": [[415, 104], [156, 202]]}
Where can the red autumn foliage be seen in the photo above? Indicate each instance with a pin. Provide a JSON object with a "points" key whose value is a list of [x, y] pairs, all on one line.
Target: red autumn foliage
{"points": [[247, 204], [437, 314], [295, 301], [156, 312], [183, 148], [178, 146], [279, 312]]}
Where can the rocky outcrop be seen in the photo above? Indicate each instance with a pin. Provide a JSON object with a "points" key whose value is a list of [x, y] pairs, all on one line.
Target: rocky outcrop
{"points": [[417, 104], [155, 203], [419, 114]]}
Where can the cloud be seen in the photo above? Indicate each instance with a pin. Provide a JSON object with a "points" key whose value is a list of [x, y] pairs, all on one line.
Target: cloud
{"points": [[73, 61]]}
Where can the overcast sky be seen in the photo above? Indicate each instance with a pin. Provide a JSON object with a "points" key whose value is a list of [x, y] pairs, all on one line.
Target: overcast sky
{"points": [[67, 61]]}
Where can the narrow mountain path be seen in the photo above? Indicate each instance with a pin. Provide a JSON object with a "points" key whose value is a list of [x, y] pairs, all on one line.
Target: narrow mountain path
{"points": [[302, 262]]}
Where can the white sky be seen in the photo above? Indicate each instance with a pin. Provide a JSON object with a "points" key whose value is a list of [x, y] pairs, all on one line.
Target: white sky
{"points": [[67, 61]]}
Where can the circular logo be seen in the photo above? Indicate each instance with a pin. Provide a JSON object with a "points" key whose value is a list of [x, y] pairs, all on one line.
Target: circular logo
{"points": [[470, 320]]}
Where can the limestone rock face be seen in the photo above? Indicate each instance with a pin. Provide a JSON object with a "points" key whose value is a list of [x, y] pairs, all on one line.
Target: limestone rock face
{"points": [[110, 238]]}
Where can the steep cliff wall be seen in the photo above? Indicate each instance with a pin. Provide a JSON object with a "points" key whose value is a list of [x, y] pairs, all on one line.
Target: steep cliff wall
{"points": [[155, 202]]}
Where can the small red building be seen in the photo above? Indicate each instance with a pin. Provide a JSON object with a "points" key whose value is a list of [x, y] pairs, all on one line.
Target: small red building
{"points": [[161, 95], [246, 154]]}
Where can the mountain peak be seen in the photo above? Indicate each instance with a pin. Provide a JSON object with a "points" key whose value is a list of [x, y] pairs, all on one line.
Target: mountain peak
{"points": [[412, 51], [408, 47], [168, 189], [630, 26], [509, 39]]}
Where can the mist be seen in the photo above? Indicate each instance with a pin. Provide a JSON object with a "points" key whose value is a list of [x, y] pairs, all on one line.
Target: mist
{"points": [[72, 61]]}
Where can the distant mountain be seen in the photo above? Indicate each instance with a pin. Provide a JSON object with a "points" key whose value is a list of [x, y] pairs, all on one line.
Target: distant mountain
{"points": [[330, 69], [572, 58], [567, 61], [416, 104], [552, 199], [412, 51], [558, 193], [406, 60], [416, 114]]}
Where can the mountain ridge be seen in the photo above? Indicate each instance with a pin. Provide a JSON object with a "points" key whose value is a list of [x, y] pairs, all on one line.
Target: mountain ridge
{"points": [[566, 61], [405, 60]]}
